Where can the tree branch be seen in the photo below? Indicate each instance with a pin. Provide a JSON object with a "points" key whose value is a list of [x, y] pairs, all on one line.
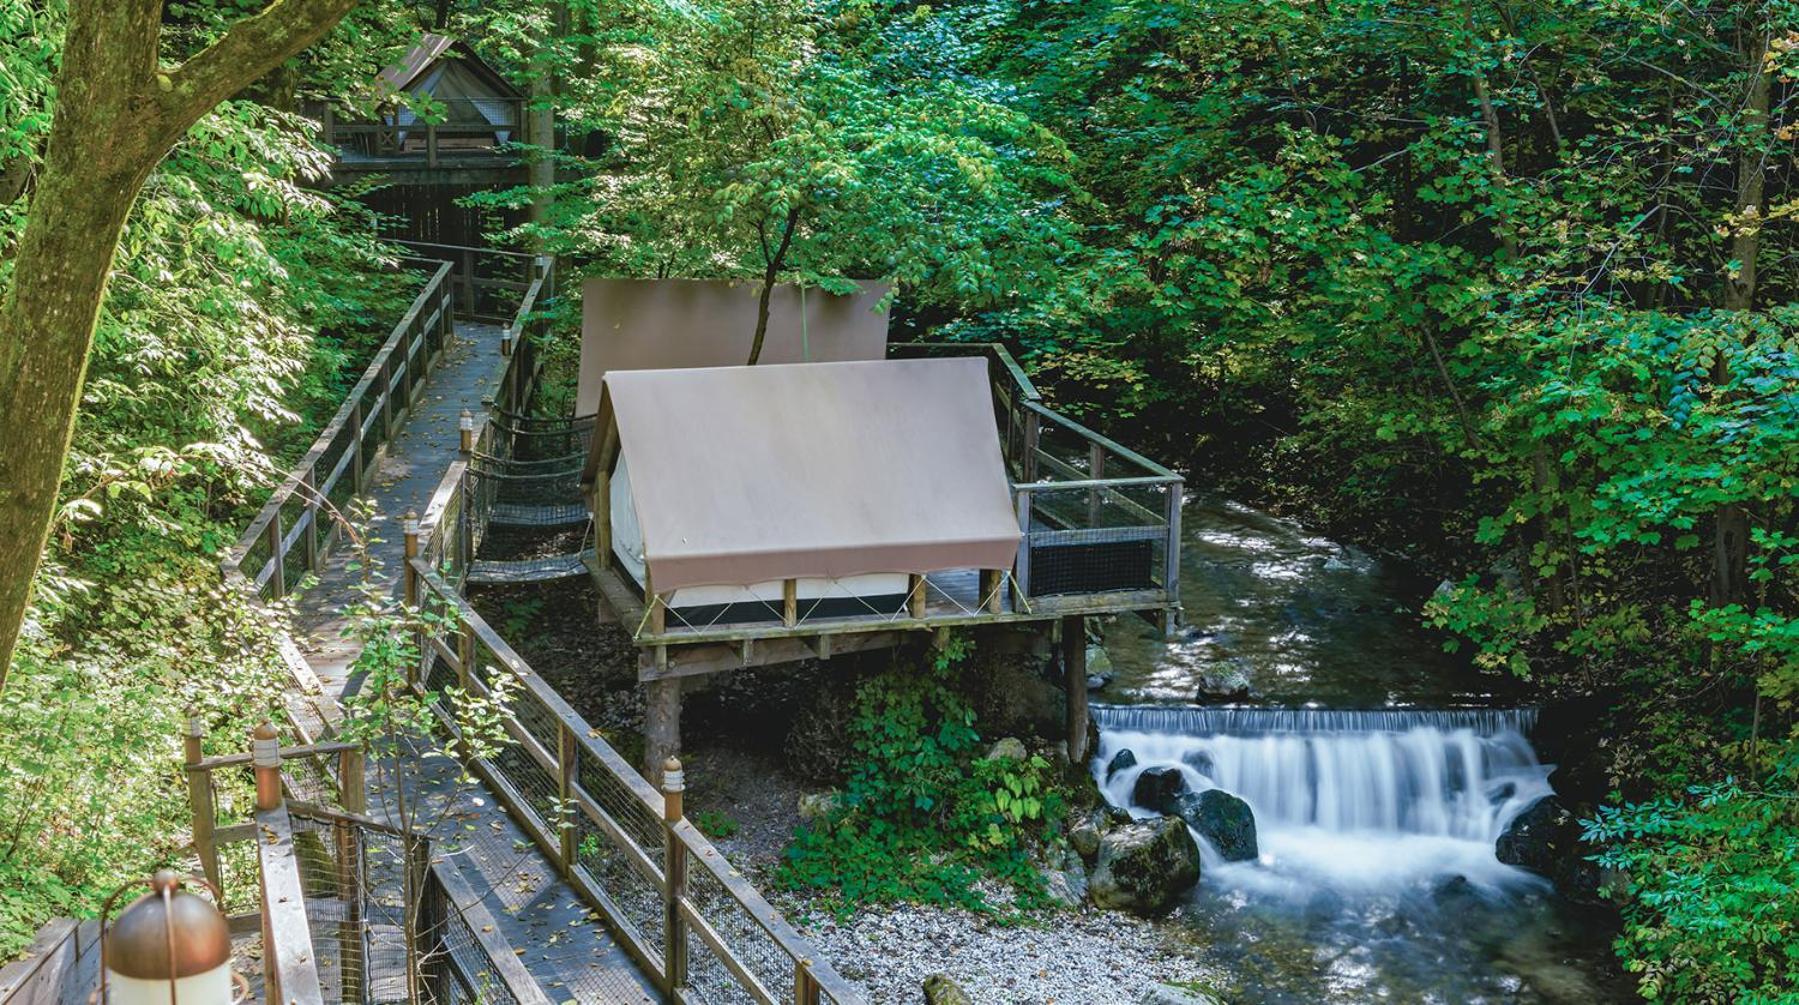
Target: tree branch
{"points": [[253, 47]]}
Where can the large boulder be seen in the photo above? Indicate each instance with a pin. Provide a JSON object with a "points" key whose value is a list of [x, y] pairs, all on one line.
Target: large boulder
{"points": [[1120, 761], [1065, 878], [1010, 748], [1145, 866], [1225, 821], [1221, 684], [940, 989], [1086, 827], [1541, 838], [1546, 840], [1156, 788]]}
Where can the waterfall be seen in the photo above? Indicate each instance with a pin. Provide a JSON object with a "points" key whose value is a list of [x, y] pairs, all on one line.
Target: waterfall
{"points": [[1321, 782]]}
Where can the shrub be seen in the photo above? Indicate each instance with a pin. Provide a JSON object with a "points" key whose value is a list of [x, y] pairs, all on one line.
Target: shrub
{"points": [[923, 817]]}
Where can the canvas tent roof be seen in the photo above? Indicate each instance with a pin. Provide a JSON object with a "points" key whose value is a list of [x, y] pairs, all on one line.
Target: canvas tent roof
{"points": [[751, 474], [432, 49], [654, 324]]}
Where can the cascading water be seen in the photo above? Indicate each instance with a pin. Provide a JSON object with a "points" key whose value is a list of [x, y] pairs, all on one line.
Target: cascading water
{"points": [[1377, 879], [1321, 781]]}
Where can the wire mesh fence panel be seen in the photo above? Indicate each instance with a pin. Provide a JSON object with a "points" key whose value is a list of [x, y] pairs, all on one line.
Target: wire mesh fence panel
{"points": [[753, 958]]}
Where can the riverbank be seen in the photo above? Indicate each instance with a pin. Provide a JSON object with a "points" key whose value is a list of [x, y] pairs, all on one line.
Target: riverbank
{"points": [[743, 792]]}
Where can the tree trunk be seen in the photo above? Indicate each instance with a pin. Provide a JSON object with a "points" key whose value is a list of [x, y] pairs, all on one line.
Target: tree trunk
{"points": [[769, 276], [116, 115], [1730, 528]]}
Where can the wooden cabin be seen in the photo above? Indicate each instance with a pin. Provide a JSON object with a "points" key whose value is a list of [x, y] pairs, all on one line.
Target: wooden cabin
{"points": [[430, 159], [746, 516]]}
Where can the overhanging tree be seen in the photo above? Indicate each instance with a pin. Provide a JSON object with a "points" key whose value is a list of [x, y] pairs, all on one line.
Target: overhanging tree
{"points": [[118, 111]]}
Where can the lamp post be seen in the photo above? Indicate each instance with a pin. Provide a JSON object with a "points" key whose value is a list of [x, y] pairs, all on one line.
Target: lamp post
{"points": [[167, 947]]}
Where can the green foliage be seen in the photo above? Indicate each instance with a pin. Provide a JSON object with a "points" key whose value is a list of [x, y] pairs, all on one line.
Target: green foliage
{"points": [[923, 817], [714, 824], [748, 137], [242, 304], [1711, 889]]}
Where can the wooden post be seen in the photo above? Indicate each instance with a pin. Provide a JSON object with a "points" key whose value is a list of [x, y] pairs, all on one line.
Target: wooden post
{"points": [[409, 594], [1171, 557], [1074, 672], [356, 472], [915, 596], [385, 400], [661, 724], [1021, 569], [352, 795], [409, 577], [352, 786], [674, 871], [653, 604], [199, 799], [465, 425], [328, 125], [805, 986], [567, 760], [468, 281], [602, 520], [309, 492], [430, 144], [1031, 424], [277, 578], [1096, 469], [790, 602], [265, 759], [993, 584], [465, 654]]}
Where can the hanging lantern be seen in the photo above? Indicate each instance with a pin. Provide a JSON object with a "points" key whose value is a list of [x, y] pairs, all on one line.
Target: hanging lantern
{"points": [[167, 947]]}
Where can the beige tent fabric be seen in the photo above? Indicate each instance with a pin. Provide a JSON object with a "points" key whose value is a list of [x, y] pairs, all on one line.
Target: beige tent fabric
{"points": [[652, 324], [750, 474]]}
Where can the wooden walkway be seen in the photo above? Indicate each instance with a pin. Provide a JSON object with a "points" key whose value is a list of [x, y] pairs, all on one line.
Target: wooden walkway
{"points": [[570, 954]]}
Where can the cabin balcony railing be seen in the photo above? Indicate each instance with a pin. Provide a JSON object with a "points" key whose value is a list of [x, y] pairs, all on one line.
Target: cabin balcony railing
{"points": [[1098, 519], [461, 129]]}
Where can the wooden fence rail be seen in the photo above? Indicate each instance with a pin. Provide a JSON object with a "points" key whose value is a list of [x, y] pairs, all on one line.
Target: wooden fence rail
{"points": [[291, 536], [659, 884]]}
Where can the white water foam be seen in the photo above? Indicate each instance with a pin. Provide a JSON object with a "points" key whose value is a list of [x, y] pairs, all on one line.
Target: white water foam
{"points": [[1349, 800]]}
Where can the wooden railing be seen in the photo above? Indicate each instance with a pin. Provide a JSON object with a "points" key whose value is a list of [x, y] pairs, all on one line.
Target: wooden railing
{"points": [[490, 284], [289, 537], [430, 142], [1098, 517], [672, 899]]}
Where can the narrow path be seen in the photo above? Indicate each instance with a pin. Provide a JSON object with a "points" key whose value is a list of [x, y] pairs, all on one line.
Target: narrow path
{"points": [[563, 945], [410, 470]]}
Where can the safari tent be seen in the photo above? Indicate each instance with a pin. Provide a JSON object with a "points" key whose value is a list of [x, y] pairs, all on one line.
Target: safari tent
{"points": [[799, 491], [642, 324]]}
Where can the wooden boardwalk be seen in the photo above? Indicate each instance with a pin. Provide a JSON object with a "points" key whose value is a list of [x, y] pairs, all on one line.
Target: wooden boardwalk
{"points": [[570, 954]]}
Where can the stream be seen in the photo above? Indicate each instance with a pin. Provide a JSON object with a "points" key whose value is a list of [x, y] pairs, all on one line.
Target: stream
{"points": [[1380, 770]]}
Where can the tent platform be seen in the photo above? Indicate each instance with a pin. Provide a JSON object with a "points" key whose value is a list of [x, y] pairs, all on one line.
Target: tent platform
{"points": [[952, 600]]}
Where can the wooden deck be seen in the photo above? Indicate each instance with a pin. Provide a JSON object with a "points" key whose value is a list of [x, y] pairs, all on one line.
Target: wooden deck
{"points": [[1100, 536]]}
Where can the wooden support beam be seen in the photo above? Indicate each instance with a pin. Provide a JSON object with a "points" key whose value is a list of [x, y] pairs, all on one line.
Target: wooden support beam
{"points": [[1074, 681], [993, 595], [916, 591], [790, 602], [661, 726], [602, 519]]}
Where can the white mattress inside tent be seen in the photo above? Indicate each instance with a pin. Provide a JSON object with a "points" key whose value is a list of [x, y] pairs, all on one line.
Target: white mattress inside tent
{"points": [[627, 547]]}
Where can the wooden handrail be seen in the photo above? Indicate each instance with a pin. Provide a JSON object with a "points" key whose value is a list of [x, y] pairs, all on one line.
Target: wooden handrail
{"points": [[576, 736], [289, 968], [354, 406]]}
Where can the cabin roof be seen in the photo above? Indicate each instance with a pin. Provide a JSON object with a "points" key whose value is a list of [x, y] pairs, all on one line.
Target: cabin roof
{"points": [[644, 324], [433, 47], [751, 474]]}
